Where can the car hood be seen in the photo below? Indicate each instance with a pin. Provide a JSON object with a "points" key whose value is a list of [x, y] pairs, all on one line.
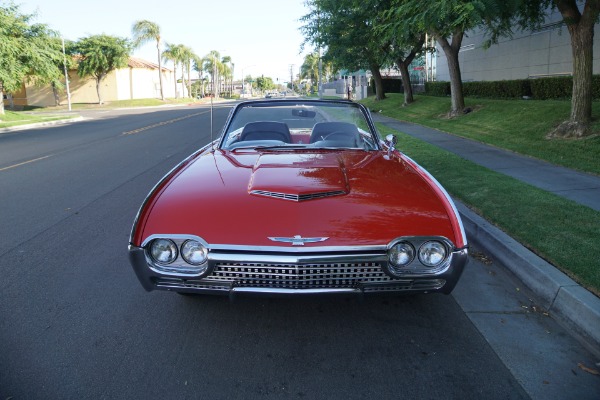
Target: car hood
{"points": [[349, 197]]}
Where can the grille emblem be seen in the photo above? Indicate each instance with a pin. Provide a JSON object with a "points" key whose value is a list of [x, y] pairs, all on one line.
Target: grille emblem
{"points": [[298, 240]]}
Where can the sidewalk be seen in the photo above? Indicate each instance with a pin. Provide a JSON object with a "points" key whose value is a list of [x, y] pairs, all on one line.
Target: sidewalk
{"points": [[566, 300]]}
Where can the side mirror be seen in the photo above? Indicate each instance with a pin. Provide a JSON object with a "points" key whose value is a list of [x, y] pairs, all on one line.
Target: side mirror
{"points": [[390, 141]]}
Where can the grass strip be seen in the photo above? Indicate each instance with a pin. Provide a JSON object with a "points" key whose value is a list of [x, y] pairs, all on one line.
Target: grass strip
{"points": [[32, 115], [121, 104], [517, 125], [561, 231], [11, 118]]}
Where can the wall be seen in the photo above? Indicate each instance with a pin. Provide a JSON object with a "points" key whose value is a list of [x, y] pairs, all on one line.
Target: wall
{"points": [[123, 84], [546, 52]]}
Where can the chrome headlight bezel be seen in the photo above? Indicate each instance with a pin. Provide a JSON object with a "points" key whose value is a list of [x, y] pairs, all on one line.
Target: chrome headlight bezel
{"points": [[417, 266], [180, 266]]}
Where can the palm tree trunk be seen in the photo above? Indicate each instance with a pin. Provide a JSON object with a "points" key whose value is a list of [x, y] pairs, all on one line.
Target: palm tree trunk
{"points": [[189, 78], [160, 79], [182, 81], [175, 77]]}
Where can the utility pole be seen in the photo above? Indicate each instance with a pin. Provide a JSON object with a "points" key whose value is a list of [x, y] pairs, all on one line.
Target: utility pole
{"points": [[292, 76]]}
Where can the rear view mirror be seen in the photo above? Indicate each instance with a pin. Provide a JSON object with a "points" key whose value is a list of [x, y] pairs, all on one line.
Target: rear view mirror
{"points": [[299, 112]]}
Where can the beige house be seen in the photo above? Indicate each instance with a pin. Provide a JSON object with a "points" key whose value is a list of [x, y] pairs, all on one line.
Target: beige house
{"points": [[139, 80]]}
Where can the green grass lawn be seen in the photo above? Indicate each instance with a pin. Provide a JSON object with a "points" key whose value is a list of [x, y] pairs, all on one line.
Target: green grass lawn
{"points": [[517, 125], [120, 104], [561, 231], [12, 118]]}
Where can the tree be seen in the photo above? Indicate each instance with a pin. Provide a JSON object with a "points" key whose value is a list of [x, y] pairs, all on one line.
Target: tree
{"points": [[99, 55], [28, 52], [405, 44], [227, 72], [447, 21], [346, 29], [174, 53], [580, 24], [143, 32], [264, 84], [214, 66], [581, 30], [189, 58], [310, 68], [403, 52]]}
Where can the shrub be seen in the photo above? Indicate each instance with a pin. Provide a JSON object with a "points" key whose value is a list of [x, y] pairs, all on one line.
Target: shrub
{"points": [[552, 88], [539, 88], [441, 88], [513, 89]]}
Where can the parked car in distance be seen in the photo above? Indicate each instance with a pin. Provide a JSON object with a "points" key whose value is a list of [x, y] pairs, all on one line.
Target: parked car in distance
{"points": [[298, 197]]}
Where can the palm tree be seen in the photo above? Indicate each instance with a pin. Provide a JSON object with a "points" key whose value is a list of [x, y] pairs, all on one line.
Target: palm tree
{"points": [[143, 32], [310, 68], [228, 72], [186, 60], [199, 67], [174, 52], [211, 63]]}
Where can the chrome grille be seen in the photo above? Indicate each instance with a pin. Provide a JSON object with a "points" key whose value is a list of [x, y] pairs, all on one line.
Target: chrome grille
{"points": [[298, 197], [311, 276]]}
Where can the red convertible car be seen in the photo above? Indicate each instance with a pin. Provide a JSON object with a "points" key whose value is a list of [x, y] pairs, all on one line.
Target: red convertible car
{"points": [[298, 197]]}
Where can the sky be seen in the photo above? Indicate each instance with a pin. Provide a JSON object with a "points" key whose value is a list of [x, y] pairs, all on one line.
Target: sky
{"points": [[262, 37]]}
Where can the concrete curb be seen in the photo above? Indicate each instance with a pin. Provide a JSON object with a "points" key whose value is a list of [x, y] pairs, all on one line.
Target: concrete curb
{"points": [[567, 301], [40, 124]]}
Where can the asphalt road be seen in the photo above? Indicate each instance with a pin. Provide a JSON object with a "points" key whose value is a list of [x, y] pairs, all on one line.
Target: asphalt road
{"points": [[75, 323]]}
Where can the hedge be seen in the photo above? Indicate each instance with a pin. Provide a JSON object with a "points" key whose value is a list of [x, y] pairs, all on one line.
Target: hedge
{"points": [[540, 88]]}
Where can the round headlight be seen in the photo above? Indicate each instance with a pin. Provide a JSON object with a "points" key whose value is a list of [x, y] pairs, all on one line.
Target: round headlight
{"points": [[163, 251], [194, 252], [401, 254], [432, 254]]}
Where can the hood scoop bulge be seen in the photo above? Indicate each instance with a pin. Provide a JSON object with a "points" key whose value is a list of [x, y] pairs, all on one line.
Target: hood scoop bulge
{"points": [[298, 177], [297, 197]]}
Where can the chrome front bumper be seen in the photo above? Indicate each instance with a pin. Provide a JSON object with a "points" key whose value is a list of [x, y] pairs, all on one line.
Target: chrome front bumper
{"points": [[298, 274]]}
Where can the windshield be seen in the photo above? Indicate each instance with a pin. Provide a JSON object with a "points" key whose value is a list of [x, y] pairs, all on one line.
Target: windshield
{"points": [[297, 124]]}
